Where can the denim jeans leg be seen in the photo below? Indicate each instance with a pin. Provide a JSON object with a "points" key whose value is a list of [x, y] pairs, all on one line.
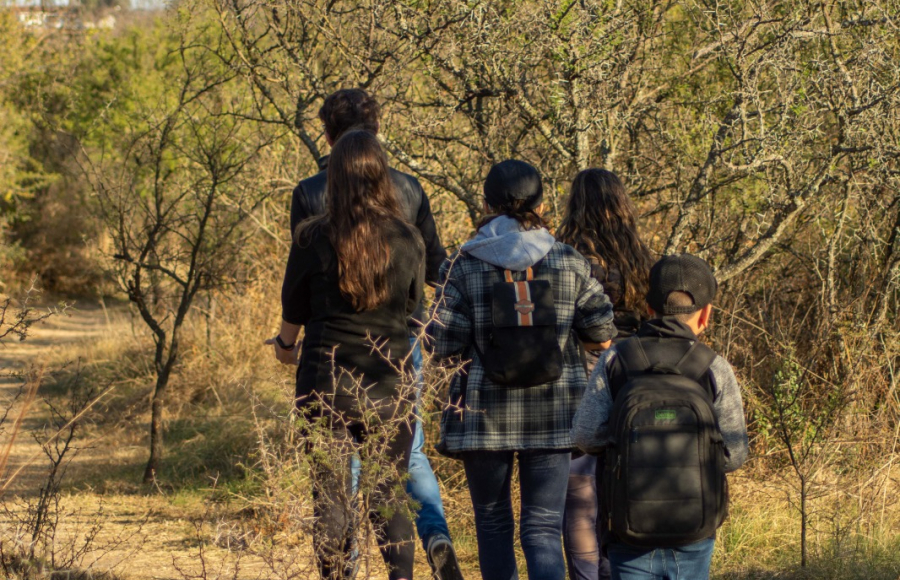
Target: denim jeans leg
{"points": [[543, 476], [692, 562], [422, 485], [689, 562], [630, 563], [489, 474], [355, 468]]}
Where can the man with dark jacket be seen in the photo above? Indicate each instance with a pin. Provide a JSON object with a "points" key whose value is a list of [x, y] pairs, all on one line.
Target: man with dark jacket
{"points": [[354, 108]]}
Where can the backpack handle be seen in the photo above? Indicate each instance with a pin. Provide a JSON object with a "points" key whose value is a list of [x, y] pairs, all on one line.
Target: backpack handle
{"points": [[665, 369], [529, 275]]}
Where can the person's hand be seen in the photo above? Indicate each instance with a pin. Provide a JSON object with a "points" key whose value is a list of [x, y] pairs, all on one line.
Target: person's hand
{"points": [[285, 356]]}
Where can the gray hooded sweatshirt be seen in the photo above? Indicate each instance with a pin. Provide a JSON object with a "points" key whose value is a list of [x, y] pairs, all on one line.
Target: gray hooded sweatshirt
{"points": [[504, 244]]}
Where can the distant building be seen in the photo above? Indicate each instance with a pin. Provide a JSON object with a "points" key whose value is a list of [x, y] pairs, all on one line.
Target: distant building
{"points": [[48, 17], [58, 15]]}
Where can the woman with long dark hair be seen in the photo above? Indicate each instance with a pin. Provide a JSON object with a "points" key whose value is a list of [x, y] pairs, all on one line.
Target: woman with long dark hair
{"points": [[354, 276], [600, 223]]}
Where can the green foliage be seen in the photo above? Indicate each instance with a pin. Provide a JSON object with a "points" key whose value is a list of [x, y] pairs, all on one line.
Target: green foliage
{"points": [[20, 173]]}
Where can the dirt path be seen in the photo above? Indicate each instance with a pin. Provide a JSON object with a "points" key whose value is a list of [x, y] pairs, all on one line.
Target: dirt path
{"points": [[144, 534], [142, 537], [78, 325], [81, 323]]}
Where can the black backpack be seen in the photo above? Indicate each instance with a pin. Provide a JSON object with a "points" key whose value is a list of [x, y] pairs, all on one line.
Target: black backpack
{"points": [[522, 348], [663, 478]]}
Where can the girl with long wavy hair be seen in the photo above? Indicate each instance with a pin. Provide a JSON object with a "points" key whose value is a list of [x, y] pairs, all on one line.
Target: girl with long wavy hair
{"points": [[600, 223], [354, 276]]}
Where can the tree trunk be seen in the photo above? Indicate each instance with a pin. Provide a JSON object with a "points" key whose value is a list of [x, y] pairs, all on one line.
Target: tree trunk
{"points": [[804, 518], [156, 418]]}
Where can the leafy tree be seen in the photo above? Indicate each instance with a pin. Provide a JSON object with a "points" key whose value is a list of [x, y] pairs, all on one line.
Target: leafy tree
{"points": [[176, 178]]}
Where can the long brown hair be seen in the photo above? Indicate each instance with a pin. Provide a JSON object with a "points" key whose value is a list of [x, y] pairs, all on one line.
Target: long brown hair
{"points": [[600, 223], [361, 211]]}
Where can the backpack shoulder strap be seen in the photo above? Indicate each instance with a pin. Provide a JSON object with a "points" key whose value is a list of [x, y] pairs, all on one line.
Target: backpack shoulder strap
{"points": [[694, 364], [696, 361], [633, 357], [634, 361]]}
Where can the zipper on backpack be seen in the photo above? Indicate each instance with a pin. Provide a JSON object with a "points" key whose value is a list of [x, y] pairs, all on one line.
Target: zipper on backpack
{"points": [[619, 467]]}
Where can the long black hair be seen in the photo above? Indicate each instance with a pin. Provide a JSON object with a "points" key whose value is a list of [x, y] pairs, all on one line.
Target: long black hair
{"points": [[600, 223]]}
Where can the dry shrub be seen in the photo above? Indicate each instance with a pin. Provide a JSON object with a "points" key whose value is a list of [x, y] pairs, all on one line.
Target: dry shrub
{"points": [[61, 243], [820, 394], [42, 535], [269, 522]]}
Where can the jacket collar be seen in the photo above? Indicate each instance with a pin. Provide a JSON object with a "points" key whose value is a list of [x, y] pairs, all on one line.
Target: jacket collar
{"points": [[322, 162], [667, 327]]}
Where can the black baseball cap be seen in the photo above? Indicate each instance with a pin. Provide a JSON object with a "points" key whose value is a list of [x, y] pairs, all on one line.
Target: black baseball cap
{"points": [[513, 180], [681, 273]]}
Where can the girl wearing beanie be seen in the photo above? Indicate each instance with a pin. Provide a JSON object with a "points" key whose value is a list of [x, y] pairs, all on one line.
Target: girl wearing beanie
{"points": [[514, 302]]}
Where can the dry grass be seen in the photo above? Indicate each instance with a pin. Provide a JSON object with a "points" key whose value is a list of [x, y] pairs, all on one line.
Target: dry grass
{"points": [[229, 391], [761, 538]]}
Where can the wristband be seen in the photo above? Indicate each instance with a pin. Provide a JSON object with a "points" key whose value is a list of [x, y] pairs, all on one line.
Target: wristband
{"points": [[282, 345]]}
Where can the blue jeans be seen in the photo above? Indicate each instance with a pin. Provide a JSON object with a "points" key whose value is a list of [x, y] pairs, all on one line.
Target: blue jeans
{"points": [[689, 562], [542, 478], [422, 485]]}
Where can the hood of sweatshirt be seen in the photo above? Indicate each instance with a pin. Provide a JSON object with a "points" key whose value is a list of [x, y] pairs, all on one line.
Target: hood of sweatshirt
{"points": [[504, 244]]}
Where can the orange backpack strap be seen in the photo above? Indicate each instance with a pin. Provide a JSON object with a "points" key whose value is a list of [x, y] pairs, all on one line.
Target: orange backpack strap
{"points": [[524, 306]]}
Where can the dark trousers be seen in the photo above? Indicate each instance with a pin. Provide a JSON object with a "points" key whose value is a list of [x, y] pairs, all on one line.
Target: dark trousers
{"points": [[334, 499], [542, 481]]}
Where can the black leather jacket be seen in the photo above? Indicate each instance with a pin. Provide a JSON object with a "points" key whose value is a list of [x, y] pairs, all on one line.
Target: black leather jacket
{"points": [[309, 201]]}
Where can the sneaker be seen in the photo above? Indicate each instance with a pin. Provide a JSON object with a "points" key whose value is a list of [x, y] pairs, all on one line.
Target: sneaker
{"points": [[442, 558]]}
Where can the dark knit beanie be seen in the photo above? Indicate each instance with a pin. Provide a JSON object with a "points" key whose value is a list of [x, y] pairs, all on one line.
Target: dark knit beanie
{"points": [[513, 180]]}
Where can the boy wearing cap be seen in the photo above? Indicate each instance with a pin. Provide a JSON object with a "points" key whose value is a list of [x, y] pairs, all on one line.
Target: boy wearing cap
{"points": [[492, 422], [682, 288]]}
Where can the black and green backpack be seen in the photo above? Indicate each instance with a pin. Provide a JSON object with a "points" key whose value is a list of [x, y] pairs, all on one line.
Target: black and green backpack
{"points": [[663, 479], [522, 347]]}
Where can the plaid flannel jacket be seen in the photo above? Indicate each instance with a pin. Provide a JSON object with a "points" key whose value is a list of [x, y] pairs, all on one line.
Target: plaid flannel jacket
{"points": [[487, 417]]}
